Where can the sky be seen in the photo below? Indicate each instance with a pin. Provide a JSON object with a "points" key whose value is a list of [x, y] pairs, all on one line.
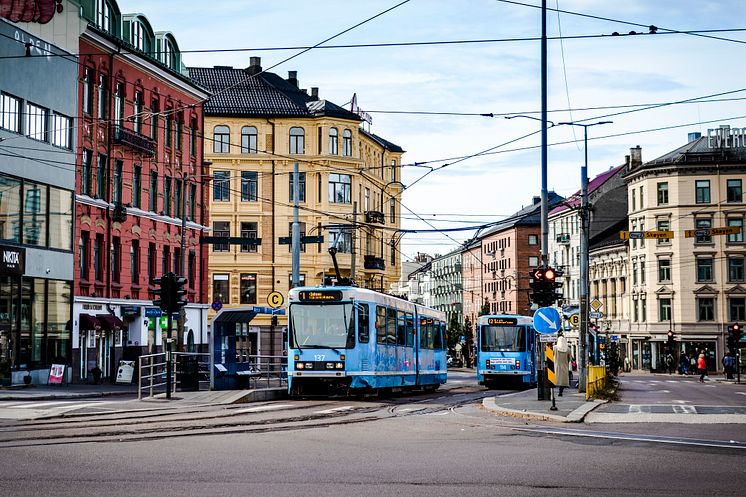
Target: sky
{"points": [[402, 86]]}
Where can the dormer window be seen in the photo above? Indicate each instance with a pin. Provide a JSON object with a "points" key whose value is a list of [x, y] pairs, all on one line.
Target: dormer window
{"points": [[103, 15]]}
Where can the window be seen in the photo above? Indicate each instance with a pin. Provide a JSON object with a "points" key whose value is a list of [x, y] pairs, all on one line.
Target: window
{"points": [[178, 199], [301, 187], [37, 120], [634, 202], [663, 193], [60, 218], [34, 214], [644, 310], [102, 96], [103, 15], [737, 308], [735, 191], [193, 137], [167, 195], [119, 104], [166, 260], [366, 200], [179, 131], [392, 210], [736, 237], [249, 186], [153, 207], [10, 113], [191, 266], [702, 191], [98, 258], [735, 268], [84, 254], [137, 117], [664, 270], [343, 237], [249, 230], [663, 225], [393, 170], [703, 224], [222, 229], [221, 142], [706, 309], [137, 186], [88, 91], [642, 272], [664, 308], [302, 233], [85, 177], [533, 261], [533, 240], [347, 143], [151, 261], [62, 131], [340, 188], [704, 269], [117, 196], [138, 35], [363, 323], [192, 201], [301, 280], [116, 259], [636, 311], [102, 182], [380, 324], [221, 288], [221, 186], [135, 262], [642, 197], [248, 140], [634, 273], [333, 141], [169, 127], [154, 108], [248, 288], [297, 145]]}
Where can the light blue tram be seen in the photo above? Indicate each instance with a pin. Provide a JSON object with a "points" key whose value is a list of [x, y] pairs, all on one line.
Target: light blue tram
{"points": [[506, 352], [344, 340]]}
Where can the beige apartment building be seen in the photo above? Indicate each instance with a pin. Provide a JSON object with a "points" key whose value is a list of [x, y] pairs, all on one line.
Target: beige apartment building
{"points": [[694, 283], [257, 127]]}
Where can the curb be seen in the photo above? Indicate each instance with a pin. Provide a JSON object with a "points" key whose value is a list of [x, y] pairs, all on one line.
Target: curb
{"points": [[61, 396], [576, 416]]}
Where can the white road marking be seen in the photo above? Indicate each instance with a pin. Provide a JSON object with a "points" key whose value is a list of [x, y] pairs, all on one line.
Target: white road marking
{"points": [[741, 393], [335, 409], [262, 408], [40, 404], [634, 409], [665, 391], [409, 409], [684, 409]]}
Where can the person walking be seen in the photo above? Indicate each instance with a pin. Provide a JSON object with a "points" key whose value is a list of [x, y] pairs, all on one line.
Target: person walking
{"points": [[669, 363], [728, 364], [702, 366], [692, 364]]}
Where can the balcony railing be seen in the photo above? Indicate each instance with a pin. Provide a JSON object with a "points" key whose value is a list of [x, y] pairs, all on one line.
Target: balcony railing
{"points": [[373, 262], [563, 238], [135, 140], [375, 217]]}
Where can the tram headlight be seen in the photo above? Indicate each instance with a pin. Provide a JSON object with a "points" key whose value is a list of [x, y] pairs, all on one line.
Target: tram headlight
{"points": [[329, 365], [298, 365], [339, 365], [309, 365]]}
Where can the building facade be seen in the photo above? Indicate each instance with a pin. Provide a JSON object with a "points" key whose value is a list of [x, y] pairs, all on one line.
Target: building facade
{"points": [[37, 175], [447, 287], [258, 127]]}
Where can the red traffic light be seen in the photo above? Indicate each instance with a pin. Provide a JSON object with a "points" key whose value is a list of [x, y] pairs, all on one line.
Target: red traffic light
{"points": [[538, 274], [549, 274], [736, 327], [670, 334]]}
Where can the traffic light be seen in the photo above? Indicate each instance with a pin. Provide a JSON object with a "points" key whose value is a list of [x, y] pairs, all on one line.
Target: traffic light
{"points": [[178, 297], [670, 338], [544, 285], [164, 292], [734, 337]]}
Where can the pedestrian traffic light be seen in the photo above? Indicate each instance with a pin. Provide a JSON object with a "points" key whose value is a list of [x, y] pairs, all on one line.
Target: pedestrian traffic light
{"points": [[164, 291], [670, 338], [734, 337], [178, 298]]}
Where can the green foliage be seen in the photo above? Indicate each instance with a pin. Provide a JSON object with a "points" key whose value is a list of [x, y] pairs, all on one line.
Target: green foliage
{"points": [[453, 332], [613, 359], [485, 308]]}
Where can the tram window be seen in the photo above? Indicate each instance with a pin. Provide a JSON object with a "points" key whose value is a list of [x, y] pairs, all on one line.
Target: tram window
{"points": [[426, 334], [409, 323], [391, 327], [437, 338], [363, 323], [401, 330], [380, 324]]}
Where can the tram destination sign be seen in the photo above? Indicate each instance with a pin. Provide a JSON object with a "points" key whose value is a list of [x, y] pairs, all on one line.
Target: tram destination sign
{"points": [[502, 321], [320, 295]]}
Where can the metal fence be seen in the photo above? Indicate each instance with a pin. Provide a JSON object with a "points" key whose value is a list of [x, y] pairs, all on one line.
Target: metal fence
{"points": [[191, 372], [265, 371], [595, 381]]}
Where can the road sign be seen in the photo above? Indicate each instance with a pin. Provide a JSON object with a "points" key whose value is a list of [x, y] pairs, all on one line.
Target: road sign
{"points": [[614, 338], [217, 305], [596, 304], [730, 230], [575, 319], [547, 320], [547, 338], [153, 312], [275, 299], [626, 235], [596, 315]]}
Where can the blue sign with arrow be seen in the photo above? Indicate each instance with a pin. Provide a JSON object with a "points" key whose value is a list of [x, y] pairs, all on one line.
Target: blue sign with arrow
{"points": [[547, 320]]}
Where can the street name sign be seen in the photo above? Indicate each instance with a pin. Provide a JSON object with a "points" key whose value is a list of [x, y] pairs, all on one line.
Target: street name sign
{"points": [[547, 320], [596, 315], [729, 230], [659, 235]]}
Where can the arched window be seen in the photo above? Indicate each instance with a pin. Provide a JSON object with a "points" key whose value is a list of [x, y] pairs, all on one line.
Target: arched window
{"points": [[347, 143], [248, 140], [221, 141], [104, 15], [333, 141], [297, 145]]}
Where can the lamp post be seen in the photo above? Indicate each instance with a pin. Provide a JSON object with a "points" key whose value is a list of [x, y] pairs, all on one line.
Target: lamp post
{"points": [[584, 259]]}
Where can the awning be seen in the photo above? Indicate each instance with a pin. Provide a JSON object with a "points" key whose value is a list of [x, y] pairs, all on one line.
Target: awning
{"points": [[234, 316], [109, 321], [88, 322]]}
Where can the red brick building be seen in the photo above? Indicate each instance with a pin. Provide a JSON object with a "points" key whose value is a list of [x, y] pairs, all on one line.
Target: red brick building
{"points": [[141, 177]]}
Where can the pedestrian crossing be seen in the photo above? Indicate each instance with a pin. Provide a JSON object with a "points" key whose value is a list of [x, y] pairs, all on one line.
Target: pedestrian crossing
{"points": [[34, 410]]}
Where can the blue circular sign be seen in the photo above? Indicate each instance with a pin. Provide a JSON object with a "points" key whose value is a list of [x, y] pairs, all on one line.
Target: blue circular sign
{"points": [[547, 320], [217, 305]]}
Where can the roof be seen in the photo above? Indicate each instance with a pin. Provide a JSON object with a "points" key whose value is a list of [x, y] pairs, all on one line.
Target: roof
{"points": [[574, 200], [391, 147], [250, 93], [528, 216]]}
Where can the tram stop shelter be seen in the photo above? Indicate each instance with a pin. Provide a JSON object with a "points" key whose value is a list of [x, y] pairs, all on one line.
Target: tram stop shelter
{"points": [[234, 354]]}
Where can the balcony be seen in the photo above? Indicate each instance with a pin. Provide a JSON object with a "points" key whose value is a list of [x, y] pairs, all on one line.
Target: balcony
{"points": [[375, 217], [373, 262], [134, 140], [563, 238]]}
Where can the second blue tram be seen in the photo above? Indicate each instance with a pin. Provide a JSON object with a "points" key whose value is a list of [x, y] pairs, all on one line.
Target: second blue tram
{"points": [[506, 352], [345, 340]]}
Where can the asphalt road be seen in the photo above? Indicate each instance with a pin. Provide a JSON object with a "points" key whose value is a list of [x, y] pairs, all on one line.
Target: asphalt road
{"points": [[441, 444]]}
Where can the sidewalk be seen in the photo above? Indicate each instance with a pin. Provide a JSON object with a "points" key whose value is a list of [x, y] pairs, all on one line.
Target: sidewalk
{"points": [[571, 407], [71, 391]]}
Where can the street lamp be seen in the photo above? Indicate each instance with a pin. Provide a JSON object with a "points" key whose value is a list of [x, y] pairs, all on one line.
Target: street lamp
{"points": [[584, 260]]}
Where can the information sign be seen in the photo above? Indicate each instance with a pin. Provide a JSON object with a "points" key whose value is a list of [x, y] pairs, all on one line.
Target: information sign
{"points": [[56, 374]]}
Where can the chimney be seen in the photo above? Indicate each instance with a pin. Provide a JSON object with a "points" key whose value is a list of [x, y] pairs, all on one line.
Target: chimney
{"points": [[696, 135], [255, 66], [293, 78], [626, 160], [536, 200], [315, 92], [635, 156]]}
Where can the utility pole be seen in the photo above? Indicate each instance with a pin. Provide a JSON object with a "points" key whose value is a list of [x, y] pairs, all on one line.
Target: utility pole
{"points": [[182, 312], [296, 227], [353, 235], [585, 222], [544, 158]]}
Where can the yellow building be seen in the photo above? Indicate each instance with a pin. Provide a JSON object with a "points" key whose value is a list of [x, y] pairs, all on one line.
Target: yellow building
{"points": [[257, 126]]}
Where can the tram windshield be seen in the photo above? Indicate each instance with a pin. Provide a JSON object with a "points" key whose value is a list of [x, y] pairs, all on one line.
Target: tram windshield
{"points": [[503, 339], [322, 326]]}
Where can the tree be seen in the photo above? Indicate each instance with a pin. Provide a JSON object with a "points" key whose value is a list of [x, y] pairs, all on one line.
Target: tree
{"points": [[469, 332], [485, 308], [453, 334]]}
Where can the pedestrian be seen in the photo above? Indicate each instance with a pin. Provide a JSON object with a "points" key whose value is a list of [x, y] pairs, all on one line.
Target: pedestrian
{"points": [[702, 366], [669, 363], [684, 364], [692, 364], [627, 369], [728, 363], [561, 364]]}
